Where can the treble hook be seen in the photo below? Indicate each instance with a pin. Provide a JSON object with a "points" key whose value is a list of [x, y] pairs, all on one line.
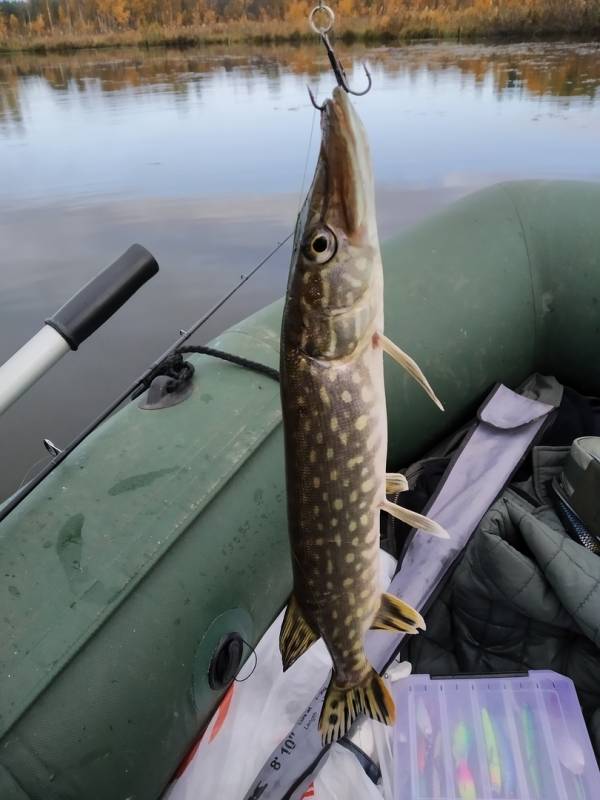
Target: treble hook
{"points": [[313, 101], [336, 64]]}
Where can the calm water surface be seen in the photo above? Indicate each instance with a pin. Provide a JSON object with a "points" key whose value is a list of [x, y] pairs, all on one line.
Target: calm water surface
{"points": [[201, 156]]}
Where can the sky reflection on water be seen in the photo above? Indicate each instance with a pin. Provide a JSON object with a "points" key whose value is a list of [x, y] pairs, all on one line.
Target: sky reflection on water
{"points": [[202, 157], [186, 124]]}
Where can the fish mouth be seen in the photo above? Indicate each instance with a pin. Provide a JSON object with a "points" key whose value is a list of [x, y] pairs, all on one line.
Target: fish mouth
{"points": [[347, 162]]}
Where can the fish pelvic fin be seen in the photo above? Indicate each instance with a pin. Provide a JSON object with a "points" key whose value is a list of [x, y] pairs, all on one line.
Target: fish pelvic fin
{"points": [[296, 634], [396, 615], [410, 365], [395, 482], [342, 705], [414, 520]]}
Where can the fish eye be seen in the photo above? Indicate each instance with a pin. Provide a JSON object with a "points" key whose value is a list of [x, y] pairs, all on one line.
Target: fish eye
{"points": [[321, 245]]}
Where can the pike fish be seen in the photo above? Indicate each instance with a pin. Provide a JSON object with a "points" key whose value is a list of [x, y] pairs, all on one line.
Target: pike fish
{"points": [[335, 427]]}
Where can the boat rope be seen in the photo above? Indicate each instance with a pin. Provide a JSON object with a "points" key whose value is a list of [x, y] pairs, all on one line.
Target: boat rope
{"points": [[256, 366], [180, 371]]}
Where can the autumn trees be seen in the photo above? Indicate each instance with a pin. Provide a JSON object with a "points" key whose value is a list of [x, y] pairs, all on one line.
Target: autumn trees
{"points": [[45, 19]]}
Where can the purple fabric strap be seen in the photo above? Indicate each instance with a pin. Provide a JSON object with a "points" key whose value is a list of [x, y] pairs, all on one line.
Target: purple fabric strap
{"points": [[507, 424]]}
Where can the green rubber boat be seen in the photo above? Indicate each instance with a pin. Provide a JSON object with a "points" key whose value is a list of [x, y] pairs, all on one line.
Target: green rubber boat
{"points": [[133, 569]]}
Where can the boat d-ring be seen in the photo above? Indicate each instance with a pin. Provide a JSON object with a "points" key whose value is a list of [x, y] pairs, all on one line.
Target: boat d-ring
{"points": [[329, 15], [219, 654]]}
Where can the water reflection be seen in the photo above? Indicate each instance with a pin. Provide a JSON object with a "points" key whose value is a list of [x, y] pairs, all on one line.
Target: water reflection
{"points": [[559, 70], [202, 156], [564, 71], [209, 120]]}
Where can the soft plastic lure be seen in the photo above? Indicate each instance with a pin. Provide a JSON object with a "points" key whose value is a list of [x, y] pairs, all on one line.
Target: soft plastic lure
{"points": [[492, 752], [423, 719], [570, 753], [580, 788], [422, 751], [465, 782], [509, 775], [436, 779], [424, 745], [531, 751], [461, 744]]}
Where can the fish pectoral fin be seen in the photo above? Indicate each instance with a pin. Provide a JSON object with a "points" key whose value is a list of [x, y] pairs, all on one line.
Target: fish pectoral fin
{"points": [[296, 635], [396, 615], [414, 520], [342, 705], [395, 482], [410, 365]]}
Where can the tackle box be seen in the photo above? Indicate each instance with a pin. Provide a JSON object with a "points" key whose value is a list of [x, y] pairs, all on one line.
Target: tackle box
{"points": [[492, 738]]}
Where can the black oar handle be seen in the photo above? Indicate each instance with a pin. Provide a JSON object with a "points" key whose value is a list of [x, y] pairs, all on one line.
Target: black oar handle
{"points": [[98, 300]]}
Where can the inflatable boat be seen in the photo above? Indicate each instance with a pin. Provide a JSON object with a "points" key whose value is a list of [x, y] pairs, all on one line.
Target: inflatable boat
{"points": [[137, 569]]}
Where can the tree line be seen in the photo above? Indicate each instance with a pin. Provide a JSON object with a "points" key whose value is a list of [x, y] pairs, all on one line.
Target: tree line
{"points": [[35, 18], [101, 16]]}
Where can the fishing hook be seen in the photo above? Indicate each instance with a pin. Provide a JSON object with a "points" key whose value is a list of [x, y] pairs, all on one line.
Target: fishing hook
{"points": [[336, 64], [313, 101]]}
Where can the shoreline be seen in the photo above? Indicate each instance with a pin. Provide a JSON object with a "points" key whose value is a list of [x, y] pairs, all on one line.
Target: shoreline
{"points": [[267, 34]]}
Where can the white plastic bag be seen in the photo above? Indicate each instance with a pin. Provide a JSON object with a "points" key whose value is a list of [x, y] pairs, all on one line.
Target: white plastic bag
{"points": [[252, 719], [256, 714], [341, 777]]}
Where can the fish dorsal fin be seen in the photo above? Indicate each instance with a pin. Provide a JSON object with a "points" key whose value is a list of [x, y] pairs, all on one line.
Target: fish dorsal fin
{"points": [[342, 705], [396, 615], [296, 634]]}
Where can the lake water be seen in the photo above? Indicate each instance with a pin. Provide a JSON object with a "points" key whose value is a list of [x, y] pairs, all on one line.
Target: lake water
{"points": [[202, 156]]}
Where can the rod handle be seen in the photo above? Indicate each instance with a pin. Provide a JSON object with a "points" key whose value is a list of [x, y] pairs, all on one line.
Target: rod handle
{"points": [[98, 300]]}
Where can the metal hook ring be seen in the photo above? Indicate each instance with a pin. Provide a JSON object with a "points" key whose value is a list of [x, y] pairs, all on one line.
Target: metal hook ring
{"points": [[328, 12]]}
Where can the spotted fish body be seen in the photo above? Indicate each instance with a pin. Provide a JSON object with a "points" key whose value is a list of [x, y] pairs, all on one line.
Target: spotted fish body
{"points": [[335, 425]]}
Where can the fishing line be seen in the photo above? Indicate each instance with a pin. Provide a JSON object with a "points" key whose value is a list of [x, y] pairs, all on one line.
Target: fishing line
{"points": [[31, 469], [244, 277], [312, 127]]}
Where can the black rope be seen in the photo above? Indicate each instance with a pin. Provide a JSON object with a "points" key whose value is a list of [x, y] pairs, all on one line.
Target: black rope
{"points": [[173, 367], [180, 372], [270, 372]]}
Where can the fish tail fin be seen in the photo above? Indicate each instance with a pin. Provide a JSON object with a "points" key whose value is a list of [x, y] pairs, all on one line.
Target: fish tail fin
{"points": [[396, 615], [342, 705], [296, 634]]}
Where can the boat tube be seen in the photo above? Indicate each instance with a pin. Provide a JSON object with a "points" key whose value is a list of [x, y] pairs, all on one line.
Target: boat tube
{"points": [[137, 570]]}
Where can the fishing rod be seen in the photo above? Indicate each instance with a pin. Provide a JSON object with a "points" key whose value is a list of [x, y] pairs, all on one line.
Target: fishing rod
{"points": [[73, 313]]}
